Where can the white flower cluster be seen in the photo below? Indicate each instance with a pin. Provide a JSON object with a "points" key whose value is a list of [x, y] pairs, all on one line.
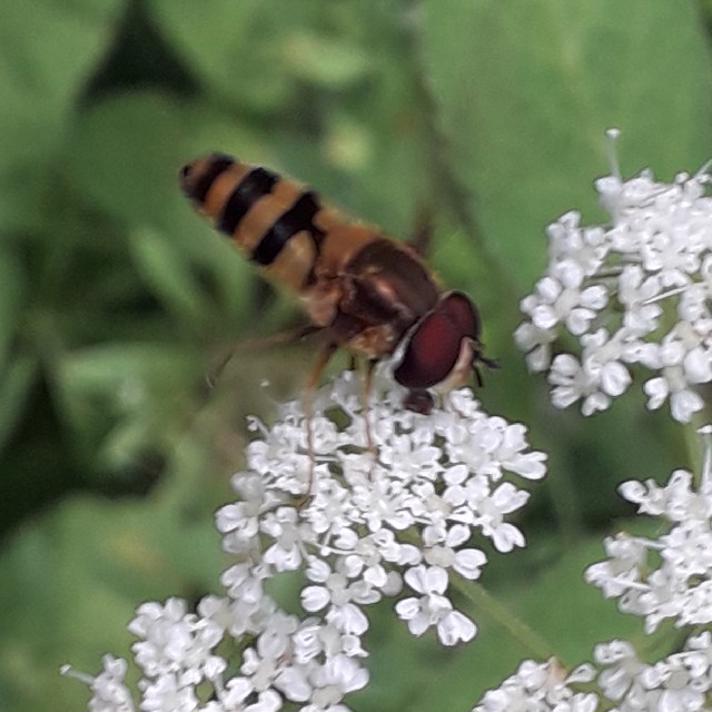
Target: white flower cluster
{"points": [[541, 687], [636, 292], [681, 682], [283, 659], [402, 512], [405, 512], [668, 576]]}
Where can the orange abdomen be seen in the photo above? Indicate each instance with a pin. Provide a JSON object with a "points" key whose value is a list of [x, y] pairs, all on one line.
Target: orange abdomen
{"points": [[277, 223]]}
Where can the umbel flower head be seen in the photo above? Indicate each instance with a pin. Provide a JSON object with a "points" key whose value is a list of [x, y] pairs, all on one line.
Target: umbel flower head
{"points": [[619, 681], [633, 293], [407, 513], [680, 682], [284, 659], [541, 687], [668, 576]]}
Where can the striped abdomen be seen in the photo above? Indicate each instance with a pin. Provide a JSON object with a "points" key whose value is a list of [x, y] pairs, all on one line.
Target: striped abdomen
{"points": [[278, 223]]}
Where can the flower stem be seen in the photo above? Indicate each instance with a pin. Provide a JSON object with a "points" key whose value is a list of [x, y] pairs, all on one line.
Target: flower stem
{"points": [[703, 471], [693, 445], [519, 630]]}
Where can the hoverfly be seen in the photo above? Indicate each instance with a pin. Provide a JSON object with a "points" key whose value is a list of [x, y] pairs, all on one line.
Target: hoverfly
{"points": [[366, 292]]}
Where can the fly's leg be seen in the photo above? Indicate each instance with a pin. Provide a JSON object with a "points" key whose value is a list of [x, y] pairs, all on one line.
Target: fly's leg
{"points": [[366, 405], [282, 338], [422, 236], [322, 359]]}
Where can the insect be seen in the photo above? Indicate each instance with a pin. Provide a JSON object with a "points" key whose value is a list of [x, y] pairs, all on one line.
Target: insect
{"points": [[365, 291]]}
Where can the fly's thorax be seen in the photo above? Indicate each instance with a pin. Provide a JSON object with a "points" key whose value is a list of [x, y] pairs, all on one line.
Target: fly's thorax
{"points": [[391, 271]]}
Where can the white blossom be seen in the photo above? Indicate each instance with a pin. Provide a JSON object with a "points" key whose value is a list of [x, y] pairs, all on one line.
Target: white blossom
{"points": [[109, 692], [432, 608], [174, 642], [432, 485], [607, 287], [621, 681], [678, 683], [618, 680], [663, 577], [541, 687], [669, 575], [401, 517], [291, 660]]}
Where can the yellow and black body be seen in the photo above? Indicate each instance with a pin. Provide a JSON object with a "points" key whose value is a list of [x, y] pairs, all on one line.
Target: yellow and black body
{"points": [[368, 292]]}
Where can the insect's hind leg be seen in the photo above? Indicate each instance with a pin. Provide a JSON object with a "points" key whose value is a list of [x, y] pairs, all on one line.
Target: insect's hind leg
{"points": [[282, 338], [422, 236], [322, 359], [366, 405]]}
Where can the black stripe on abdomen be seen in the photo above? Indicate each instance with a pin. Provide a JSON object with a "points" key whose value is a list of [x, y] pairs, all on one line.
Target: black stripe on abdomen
{"points": [[249, 190], [218, 165], [299, 217]]}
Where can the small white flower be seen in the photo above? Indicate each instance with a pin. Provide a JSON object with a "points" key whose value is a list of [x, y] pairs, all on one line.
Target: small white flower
{"points": [[175, 642], [536, 344], [283, 526], [341, 596], [109, 691], [621, 668], [433, 608], [237, 692], [340, 675], [167, 694]]}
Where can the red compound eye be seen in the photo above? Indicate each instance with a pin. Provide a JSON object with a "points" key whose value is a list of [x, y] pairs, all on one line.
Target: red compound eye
{"points": [[458, 307], [434, 345]]}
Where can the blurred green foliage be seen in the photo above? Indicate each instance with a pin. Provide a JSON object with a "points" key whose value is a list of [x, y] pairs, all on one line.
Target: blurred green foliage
{"points": [[115, 299]]}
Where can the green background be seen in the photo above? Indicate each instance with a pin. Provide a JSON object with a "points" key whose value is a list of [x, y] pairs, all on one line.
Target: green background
{"points": [[115, 299]]}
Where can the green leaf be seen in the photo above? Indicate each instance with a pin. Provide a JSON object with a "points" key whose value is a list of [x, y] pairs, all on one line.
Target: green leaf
{"points": [[16, 380], [125, 153], [571, 614], [136, 143], [48, 50], [74, 577], [167, 271], [117, 398], [139, 186], [234, 46], [325, 61], [12, 288], [113, 366], [526, 90]]}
